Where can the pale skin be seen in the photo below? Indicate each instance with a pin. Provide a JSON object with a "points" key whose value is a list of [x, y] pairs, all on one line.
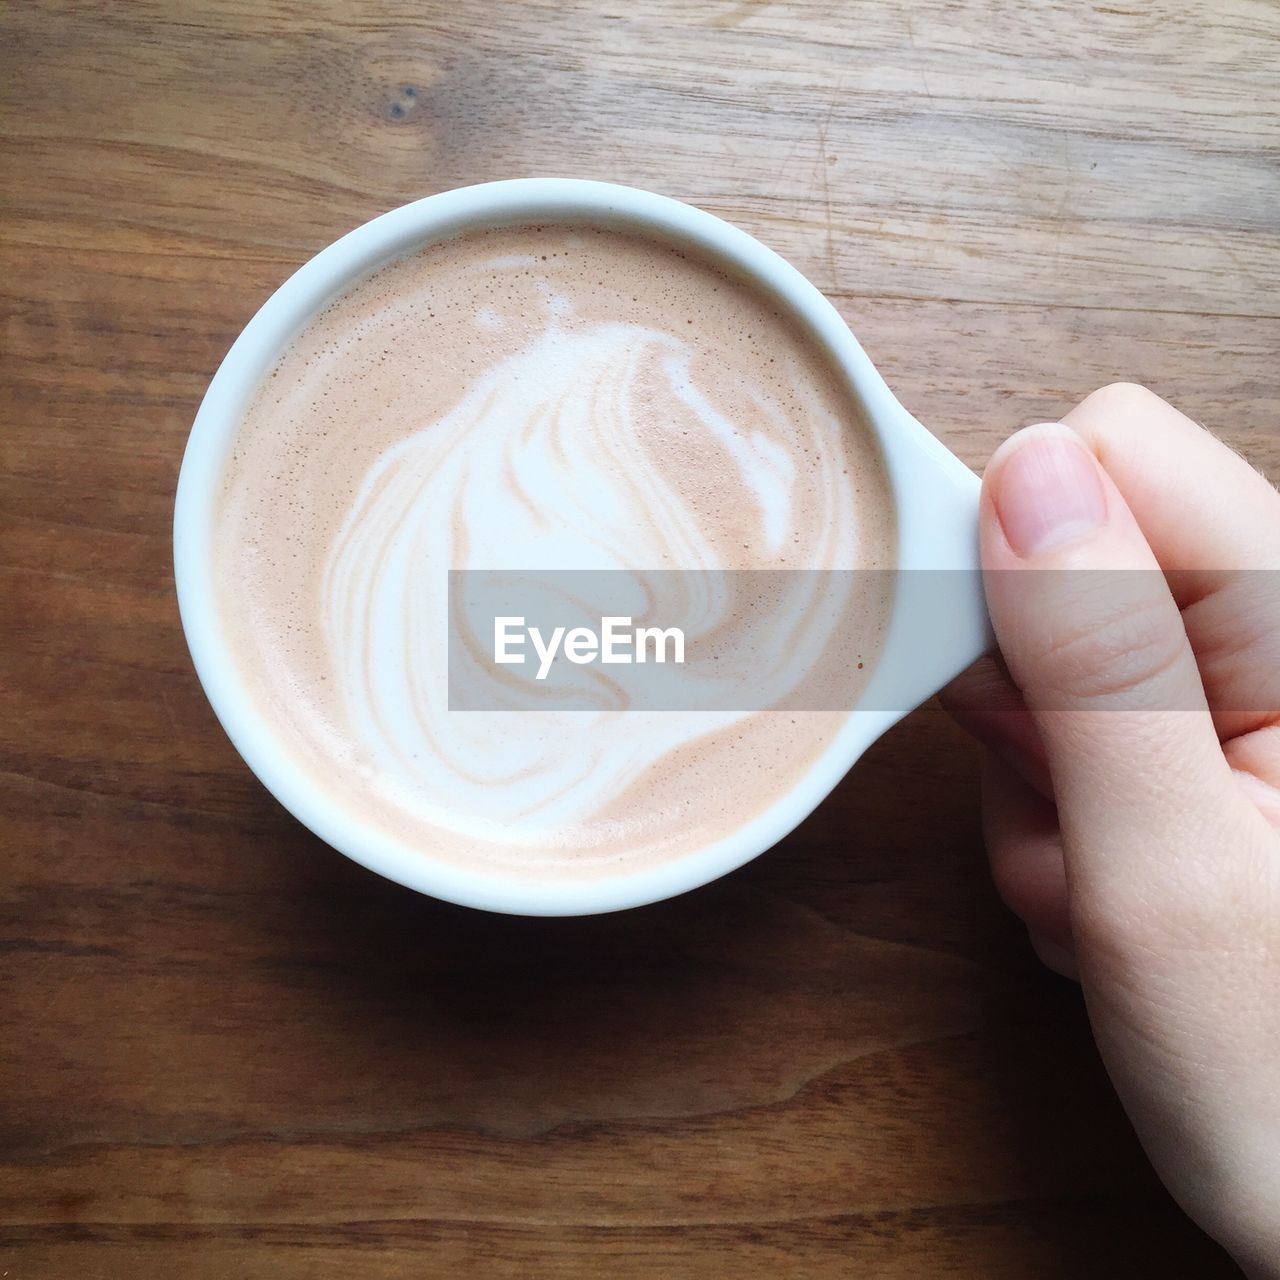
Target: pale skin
{"points": [[1131, 776]]}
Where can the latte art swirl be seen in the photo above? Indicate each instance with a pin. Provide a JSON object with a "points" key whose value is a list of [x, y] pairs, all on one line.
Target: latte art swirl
{"points": [[539, 399]]}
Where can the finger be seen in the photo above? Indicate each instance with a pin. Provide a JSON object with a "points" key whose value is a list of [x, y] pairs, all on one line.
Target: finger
{"points": [[1175, 476], [1055, 957], [984, 701], [1225, 572], [1024, 846], [1255, 759], [1108, 674]]}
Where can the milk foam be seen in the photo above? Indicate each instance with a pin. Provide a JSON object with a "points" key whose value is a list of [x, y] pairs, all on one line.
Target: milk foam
{"points": [[532, 398]]}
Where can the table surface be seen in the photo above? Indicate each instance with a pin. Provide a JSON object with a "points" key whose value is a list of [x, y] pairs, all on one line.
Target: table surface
{"points": [[227, 1051]]}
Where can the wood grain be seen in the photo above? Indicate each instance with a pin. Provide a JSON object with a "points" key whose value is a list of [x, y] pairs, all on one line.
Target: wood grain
{"points": [[225, 1050]]}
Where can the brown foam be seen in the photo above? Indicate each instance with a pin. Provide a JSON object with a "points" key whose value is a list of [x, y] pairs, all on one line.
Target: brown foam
{"points": [[400, 352]]}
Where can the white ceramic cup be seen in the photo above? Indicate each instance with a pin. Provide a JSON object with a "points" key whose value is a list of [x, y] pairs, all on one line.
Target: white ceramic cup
{"points": [[937, 627]]}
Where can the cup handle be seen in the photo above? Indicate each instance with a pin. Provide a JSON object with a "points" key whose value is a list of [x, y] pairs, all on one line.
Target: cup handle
{"points": [[939, 624]]}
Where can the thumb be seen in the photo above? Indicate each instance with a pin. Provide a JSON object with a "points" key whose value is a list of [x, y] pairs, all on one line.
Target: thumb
{"points": [[1094, 639]]}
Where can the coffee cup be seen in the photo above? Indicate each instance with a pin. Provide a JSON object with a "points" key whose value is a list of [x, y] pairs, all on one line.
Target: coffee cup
{"points": [[936, 621]]}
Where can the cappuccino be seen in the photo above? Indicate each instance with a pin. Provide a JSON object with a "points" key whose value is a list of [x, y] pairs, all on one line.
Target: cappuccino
{"points": [[535, 398]]}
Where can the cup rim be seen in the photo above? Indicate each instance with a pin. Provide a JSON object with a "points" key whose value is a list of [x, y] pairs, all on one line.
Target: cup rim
{"points": [[933, 496]]}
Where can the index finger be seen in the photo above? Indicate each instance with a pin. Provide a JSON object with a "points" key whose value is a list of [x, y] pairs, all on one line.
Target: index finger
{"points": [[1213, 523]]}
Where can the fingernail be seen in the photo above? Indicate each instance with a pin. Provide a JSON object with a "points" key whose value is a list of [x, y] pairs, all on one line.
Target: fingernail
{"points": [[1046, 489]]}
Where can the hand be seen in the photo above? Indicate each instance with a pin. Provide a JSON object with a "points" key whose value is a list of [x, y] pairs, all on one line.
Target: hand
{"points": [[1131, 775]]}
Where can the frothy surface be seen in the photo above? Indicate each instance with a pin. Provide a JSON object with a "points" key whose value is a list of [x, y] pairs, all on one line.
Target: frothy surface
{"points": [[538, 397]]}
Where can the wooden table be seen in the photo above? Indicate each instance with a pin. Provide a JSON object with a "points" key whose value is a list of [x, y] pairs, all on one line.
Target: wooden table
{"points": [[228, 1052]]}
